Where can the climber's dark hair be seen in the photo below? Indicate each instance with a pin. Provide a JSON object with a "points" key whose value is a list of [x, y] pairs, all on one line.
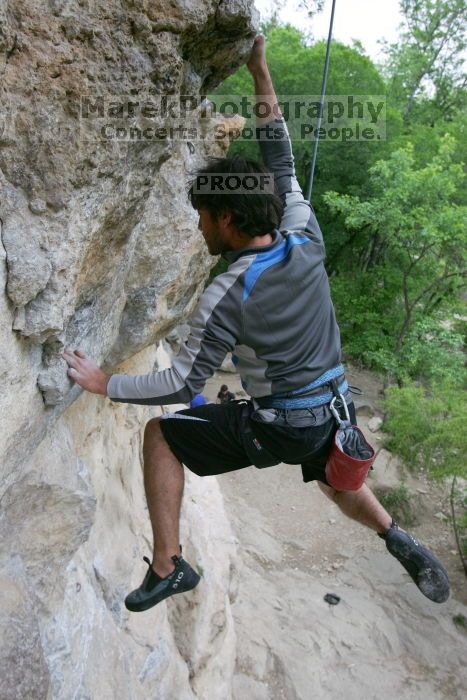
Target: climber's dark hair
{"points": [[253, 213]]}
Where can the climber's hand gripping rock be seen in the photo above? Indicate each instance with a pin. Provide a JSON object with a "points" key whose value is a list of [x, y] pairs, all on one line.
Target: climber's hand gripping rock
{"points": [[85, 372]]}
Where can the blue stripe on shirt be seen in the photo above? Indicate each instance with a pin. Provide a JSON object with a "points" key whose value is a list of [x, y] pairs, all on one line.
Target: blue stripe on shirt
{"points": [[266, 260]]}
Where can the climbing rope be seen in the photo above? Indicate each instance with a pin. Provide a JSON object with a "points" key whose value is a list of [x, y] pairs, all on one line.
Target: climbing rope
{"points": [[321, 105]]}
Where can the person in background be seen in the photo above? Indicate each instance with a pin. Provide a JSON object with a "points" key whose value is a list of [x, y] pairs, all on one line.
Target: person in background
{"points": [[224, 395]]}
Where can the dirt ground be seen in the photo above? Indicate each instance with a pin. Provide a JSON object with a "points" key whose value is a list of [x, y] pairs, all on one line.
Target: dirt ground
{"points": [[384, 639]]}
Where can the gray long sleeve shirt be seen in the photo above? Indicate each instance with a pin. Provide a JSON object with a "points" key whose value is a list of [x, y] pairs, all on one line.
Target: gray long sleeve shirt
{"points": [[272, 309]]}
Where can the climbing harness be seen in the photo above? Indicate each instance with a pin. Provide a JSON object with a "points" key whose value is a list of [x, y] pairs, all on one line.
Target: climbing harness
{"points": [[310, 396]]}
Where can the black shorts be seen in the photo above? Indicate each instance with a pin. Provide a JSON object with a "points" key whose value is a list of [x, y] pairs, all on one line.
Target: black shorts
{"points": [[213, 439]]}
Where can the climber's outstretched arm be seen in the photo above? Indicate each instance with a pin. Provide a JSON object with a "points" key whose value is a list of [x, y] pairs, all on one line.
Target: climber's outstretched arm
{"points": [[276, 148], [266, 99]]}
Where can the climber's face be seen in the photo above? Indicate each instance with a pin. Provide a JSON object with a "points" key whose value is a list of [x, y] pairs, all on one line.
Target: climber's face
{"points": [[215, 231]]}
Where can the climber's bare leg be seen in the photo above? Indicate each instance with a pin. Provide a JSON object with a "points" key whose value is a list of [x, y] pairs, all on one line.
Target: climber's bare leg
{"points": [[361, 505], [163, 482]]}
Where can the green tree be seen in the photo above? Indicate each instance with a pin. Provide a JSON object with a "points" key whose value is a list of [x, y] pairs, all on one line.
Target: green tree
{"points": [[406, 260], [425, 65]]}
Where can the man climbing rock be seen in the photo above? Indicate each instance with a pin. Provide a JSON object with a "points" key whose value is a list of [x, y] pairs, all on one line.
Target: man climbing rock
{"points": [[272, 309]]}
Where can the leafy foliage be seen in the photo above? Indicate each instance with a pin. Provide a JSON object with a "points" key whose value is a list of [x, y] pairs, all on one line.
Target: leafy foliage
{"points": [[427, 61], [407, 243], [427, 427]]}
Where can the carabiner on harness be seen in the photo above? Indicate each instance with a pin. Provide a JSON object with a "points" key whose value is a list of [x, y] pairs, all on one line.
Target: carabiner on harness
{"points": [[334, 409]]}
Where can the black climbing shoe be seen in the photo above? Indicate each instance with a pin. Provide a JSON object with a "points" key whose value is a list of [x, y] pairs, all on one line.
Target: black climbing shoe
{"points": [[422, 566], [154, 588]]}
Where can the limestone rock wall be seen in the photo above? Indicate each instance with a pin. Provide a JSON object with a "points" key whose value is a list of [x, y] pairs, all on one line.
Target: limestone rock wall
{"points": [[100, 250], [74, 529]]}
